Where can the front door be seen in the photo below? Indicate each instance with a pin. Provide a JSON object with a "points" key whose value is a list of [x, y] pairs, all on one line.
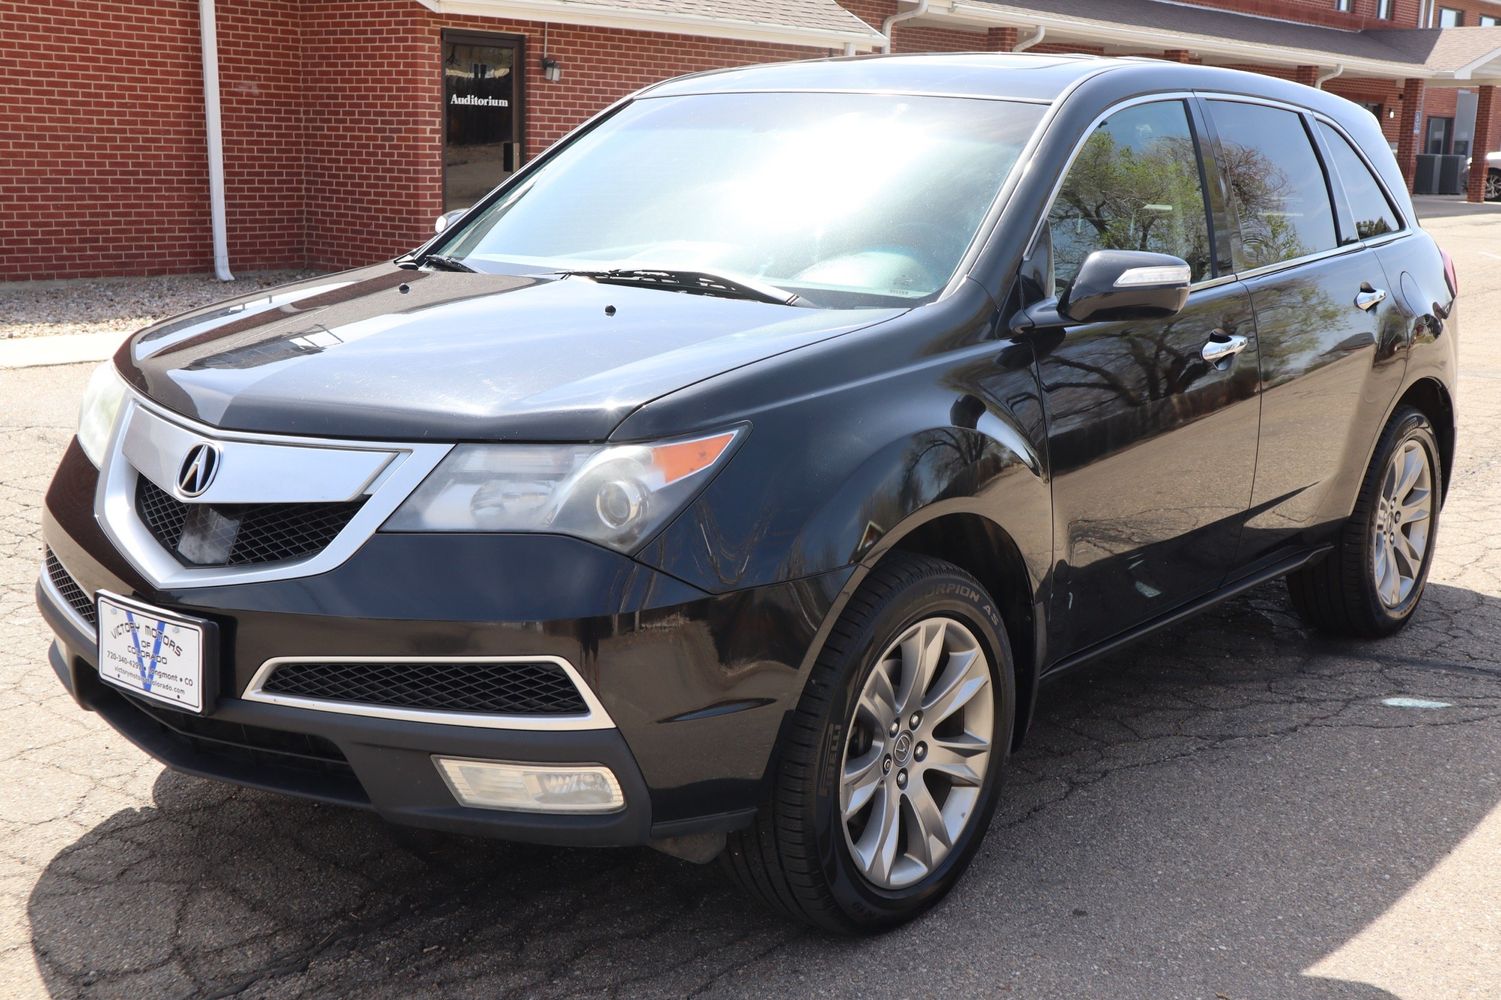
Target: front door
{"points": [[1152, 447], [482, 114]]}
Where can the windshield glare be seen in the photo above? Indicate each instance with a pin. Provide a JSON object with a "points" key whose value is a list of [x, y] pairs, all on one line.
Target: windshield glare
{"points": [[869, 198]]}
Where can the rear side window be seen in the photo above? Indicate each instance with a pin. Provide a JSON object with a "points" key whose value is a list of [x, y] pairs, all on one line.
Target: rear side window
{"points": [[1277, 183], [1134, 186], [1368, 203]]}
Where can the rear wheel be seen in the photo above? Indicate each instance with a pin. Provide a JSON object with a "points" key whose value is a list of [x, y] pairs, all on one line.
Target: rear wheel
{"points": [[1493, 185], [890, 766], [1371, 583]]}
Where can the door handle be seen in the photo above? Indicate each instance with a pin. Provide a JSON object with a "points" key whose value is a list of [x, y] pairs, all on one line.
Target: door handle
{"points": [[1223, 347], [1369, 298]]}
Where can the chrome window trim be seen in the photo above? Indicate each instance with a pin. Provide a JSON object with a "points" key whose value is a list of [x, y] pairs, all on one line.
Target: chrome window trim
{"points": [[61, 603], [1392, 203], [1078, 147], [1214, 95], [595, 718], [114, 499]]}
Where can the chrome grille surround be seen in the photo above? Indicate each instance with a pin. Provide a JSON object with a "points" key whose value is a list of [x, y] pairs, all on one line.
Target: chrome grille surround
{"points": [[592, 716], [255, 469]]}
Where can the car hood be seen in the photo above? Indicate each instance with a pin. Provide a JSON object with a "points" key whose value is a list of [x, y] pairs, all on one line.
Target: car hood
{"points": [[387, 353]]}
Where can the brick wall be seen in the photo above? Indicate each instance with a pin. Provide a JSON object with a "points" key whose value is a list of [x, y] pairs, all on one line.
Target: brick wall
{"points": [[333, 119], [104, 165]]}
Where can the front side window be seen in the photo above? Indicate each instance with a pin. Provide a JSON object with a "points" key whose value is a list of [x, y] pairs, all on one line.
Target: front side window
{"points": [[1368, 203], [1276, 182], [848, 199], [1135, 185]]}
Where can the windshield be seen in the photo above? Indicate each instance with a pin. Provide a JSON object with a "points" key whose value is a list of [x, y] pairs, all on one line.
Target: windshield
{"points": [[849, 199]]}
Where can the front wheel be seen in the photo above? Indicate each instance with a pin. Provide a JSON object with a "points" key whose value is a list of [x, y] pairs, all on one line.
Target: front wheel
{"points": [[1493, 185], [890, 766], [1371, 583]]}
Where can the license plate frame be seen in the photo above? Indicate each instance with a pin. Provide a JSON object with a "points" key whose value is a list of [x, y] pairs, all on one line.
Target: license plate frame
{"points": [[178, 668]]}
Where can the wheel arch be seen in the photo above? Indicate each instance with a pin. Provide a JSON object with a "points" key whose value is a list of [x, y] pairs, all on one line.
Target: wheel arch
{"points": [[1432, 398], [985, 550]]}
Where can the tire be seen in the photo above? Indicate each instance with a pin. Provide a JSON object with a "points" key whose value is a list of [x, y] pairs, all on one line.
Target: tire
{"points": [[799, 856], [1343, 594], [1493, 185]]}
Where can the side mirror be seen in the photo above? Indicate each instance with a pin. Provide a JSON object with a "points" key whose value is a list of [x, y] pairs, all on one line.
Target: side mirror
{"points": [[1126, 284], [448, 218]]}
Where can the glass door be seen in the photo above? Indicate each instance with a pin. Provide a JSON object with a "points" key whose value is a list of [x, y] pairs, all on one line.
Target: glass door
{"points": [[482, 114]]}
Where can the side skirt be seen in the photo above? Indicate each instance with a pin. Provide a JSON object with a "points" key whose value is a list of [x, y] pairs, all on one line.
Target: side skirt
{"points": [[1188, 610]]}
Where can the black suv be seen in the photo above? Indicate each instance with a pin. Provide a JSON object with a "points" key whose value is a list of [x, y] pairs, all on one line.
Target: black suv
{"points": [[731, 477]]}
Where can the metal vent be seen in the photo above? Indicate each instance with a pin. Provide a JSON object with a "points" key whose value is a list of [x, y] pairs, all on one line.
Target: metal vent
{"points": [[511, 688], [239, 534], [71, 592]]}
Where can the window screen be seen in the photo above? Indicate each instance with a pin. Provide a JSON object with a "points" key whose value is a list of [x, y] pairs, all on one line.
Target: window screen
{"points": [[1134, 186], [1276, 181], [1373, 213]]}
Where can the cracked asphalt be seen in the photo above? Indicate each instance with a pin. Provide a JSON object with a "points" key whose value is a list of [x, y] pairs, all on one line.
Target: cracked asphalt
{"points": [[1228, 811]]}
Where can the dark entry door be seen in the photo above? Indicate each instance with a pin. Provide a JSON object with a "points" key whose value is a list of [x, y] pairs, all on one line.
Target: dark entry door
{"points": [[482, 108]]}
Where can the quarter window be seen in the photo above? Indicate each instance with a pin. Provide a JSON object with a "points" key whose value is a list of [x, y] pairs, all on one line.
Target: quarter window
{"points": [[1134, 186], [1368, 203], [1276, 181]]}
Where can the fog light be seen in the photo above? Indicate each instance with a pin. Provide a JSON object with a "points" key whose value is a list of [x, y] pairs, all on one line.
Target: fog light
{"points": [[553, 788]]}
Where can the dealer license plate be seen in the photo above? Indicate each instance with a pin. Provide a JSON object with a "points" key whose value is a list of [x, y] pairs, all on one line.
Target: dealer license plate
{"points": [[151, 652]]}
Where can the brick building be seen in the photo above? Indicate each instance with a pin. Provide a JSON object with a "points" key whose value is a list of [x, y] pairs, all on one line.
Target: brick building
{"points": [[346, 126]]}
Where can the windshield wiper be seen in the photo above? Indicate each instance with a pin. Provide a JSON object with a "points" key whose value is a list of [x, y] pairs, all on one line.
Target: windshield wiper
{"points": [[443, 263], [693, 282]]}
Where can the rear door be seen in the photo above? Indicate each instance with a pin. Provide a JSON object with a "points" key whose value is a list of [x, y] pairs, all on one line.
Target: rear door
{"points": [[1325, 319], [1152, 447]]}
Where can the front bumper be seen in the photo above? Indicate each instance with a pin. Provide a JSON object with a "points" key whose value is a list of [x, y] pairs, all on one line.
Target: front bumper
{"points": [[697, 685]]}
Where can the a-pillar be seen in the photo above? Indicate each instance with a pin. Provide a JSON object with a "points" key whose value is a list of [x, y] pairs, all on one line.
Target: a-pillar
{"points": [[1485, 140], [1407, 129]]}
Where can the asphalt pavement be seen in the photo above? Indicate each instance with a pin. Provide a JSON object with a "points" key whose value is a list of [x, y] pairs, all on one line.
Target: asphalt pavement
{"points": [[1234, 809]]}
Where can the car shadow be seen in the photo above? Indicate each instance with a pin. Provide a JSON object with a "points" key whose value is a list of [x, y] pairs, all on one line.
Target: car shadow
{"points": [[1206, 813]]}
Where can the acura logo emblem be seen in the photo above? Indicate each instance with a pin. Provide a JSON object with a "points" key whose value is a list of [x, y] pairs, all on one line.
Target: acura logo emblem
{"points": [[198, 470]]}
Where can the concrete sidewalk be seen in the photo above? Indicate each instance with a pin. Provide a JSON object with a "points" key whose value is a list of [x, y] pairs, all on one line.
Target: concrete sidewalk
{"points": [[37, 352]]}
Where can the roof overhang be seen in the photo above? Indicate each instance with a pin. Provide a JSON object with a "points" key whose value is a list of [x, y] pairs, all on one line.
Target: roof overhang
{"points": [[771, 29], [1125, 37]]}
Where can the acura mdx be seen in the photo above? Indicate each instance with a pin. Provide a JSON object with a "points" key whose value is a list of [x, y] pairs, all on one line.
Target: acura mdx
{"points": [[731, 478]]}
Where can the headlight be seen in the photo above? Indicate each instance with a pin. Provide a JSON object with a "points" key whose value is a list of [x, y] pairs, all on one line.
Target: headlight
{"points": [[616, 495], [101, 404]]}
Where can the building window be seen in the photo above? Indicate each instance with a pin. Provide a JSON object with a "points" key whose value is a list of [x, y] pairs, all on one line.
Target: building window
{"points": [[1486, 21], [1384, 9], [1342, 5], [1448, 17]]}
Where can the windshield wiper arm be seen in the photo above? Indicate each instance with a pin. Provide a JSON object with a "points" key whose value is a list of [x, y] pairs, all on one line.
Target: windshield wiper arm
{"points": [[693, 282], [444, 263]]}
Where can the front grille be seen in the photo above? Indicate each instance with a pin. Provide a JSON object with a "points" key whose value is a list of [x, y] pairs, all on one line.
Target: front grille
{"points": [[255, 746], [200, 534], [520, 688], [71, 591]]}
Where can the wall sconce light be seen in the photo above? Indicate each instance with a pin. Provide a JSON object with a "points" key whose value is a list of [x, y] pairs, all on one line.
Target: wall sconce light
{"points": [[552, 70]]}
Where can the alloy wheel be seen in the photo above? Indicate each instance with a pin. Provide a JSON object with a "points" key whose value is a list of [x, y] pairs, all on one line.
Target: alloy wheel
{"points": [[1493, 186], [917, 753], [1404, 514]]}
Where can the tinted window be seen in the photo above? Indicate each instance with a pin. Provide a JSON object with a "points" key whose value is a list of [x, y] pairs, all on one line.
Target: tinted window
{"points": [[1276, 181], [1134, 186], [1373, 213]]}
